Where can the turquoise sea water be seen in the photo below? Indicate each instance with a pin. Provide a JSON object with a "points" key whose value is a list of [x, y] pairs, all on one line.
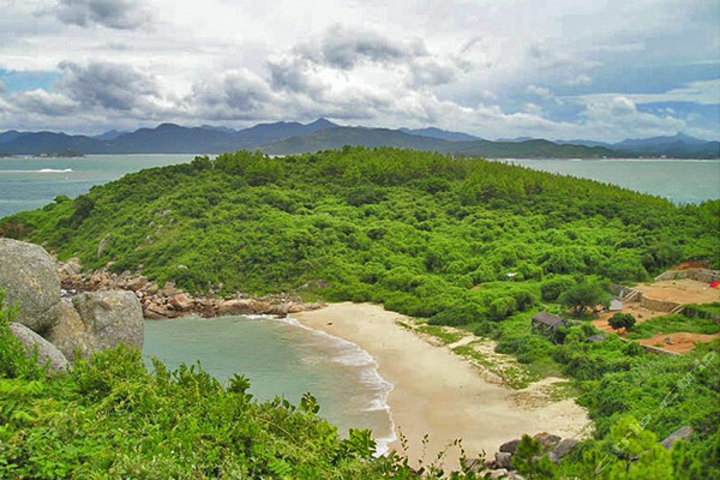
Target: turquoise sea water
{"points": [[281, 358], [681, 181], [27, 183]]}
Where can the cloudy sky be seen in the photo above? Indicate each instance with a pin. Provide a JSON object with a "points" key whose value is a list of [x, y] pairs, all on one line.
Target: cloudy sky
{"points": [[561, 69]]}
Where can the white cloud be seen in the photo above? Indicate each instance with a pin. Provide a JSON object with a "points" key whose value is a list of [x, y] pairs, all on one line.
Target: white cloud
{"points": [[119, 14], [466, 66], [705, 92], [541, 92], [580, 80]]}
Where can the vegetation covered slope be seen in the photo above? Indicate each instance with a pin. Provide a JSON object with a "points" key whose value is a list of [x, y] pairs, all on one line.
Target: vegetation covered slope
{"points": [[111, 418], [463, 242], [414, 229]]}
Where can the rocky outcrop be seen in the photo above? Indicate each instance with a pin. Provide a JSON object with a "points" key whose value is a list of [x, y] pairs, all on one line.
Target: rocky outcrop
{"points": [[30, 277], [502, 459], [47, 353], [564, 448], [682, 433], [110, 318], [69, 334], [510, 446], [547, 440], [553, 448], [94, 321], [170, 302]]}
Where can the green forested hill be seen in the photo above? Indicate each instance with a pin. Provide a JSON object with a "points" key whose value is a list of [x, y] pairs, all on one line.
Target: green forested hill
{"points": [[463, 242], [384, 224]]}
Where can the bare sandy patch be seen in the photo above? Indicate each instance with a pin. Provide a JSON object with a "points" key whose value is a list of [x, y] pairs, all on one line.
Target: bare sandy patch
{"points": [[678, 342], [439, 393], [683, 291]]}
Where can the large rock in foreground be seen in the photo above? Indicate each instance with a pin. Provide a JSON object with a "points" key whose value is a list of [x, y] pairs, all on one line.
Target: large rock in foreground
{"points": [[70, 334], [47, 353], [110, 317], [29, 276]]}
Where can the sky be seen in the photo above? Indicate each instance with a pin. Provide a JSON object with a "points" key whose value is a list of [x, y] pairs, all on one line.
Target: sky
{"points": [[558, 69]]}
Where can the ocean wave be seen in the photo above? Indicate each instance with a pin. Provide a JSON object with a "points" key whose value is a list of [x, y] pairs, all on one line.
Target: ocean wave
{"points": [[352, 355], [42, 170], [382, 444], [255, 316]]}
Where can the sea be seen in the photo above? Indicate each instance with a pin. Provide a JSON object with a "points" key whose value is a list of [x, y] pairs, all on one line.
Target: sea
{"points": [[281, 357]]}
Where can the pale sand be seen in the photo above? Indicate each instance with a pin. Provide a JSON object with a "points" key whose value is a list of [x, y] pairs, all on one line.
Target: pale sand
{"points": [[438, 393]]}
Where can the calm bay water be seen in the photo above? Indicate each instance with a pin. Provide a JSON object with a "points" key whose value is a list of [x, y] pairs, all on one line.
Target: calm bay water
{"points": [[281, 358]]}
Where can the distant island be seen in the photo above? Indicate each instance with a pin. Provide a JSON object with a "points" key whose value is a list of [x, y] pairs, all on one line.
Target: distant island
{"points": [[67, 153], [291, 138]]}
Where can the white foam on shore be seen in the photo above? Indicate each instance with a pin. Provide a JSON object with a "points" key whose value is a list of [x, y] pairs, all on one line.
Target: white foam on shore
{"points": [[42, 170], [354, 356]]}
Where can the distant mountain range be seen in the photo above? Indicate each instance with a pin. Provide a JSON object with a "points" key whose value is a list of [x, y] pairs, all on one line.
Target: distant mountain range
{"points": [[284, 138], [676, 146]]}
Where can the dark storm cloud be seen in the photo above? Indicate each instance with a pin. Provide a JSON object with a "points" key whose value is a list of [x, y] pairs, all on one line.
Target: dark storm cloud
{"points": [[344, 48], [42, 103], [118, 14], [433, 72], [292, 75], [107, 85], [234, 95]]}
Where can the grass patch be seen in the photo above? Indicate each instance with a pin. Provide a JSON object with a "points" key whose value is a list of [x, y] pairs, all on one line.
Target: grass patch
{"points": [[514, 375], [440, 333], [672, 324], [560, 391]]}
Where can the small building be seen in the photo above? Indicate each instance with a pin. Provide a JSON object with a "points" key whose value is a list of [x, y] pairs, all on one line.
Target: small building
{"points": [[547, 324], [596, 338], [616, 305]]}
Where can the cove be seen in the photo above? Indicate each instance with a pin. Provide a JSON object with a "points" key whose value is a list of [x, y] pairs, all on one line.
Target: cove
{"points": [[281, 358]]}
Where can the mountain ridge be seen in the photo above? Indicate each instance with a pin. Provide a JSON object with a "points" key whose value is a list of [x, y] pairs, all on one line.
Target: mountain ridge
{"points": [[285, 138]]}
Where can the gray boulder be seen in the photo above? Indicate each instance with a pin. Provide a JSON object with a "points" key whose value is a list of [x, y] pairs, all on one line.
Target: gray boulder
{"points": [[682, 433], [29, 276], [111, 317], [547, 440], [69, 334], [47, 353], [566, 446], [502, 459], [72, 267], [510, 446]]}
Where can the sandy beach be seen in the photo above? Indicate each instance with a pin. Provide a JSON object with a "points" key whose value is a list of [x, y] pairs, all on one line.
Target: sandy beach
{"points": [[437, 392]]}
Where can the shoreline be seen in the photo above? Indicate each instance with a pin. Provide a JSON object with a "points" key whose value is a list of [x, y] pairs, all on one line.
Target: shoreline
{"points": [[438, 393], [383, 443]]}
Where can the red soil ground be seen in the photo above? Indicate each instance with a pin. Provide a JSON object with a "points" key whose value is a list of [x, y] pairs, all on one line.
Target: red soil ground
{"points": [[684, 292]]}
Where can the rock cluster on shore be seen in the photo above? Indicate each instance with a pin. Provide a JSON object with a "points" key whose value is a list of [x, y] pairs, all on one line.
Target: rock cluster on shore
{"points": [[170, 302], [555, 448], [56, 327]]}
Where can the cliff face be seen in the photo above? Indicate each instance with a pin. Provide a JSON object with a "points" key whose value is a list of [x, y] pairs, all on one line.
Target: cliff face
{"points": [[58, 328]]}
